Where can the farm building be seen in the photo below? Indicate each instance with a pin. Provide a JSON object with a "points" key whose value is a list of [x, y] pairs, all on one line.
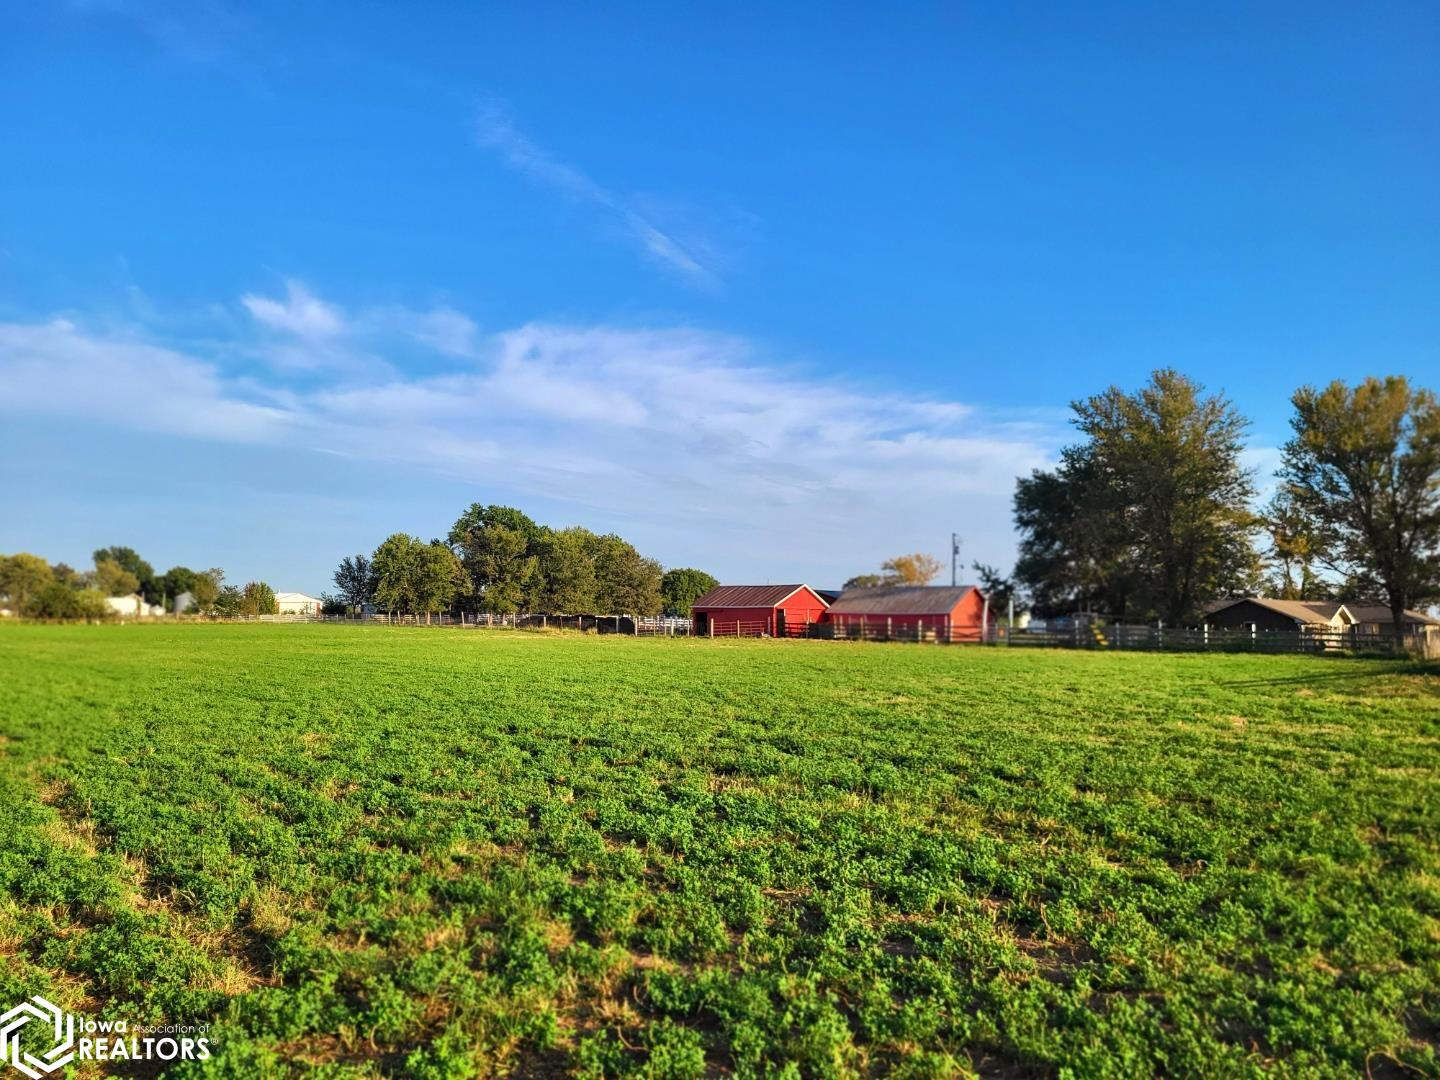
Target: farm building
{"points": [[296, 603], [132, 606], [942, 612], [741, 610], [1359, 621], [1377, 619], [1261, 613]]}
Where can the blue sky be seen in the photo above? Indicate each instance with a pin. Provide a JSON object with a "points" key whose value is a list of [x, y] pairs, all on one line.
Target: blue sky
{"points": [[775, 293]]}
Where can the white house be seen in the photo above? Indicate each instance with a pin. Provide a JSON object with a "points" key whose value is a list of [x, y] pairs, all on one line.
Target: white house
{"points": [[133, 606], [296, 603]]}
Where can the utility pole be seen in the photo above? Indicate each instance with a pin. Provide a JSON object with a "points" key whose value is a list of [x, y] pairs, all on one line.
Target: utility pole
{"points": [[954, 559]]}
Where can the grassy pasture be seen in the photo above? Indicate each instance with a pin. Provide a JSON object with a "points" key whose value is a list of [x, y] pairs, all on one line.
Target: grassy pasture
{"points": [[430, 853]]}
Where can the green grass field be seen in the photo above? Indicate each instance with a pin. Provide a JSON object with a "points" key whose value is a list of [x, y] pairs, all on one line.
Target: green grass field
{"points": [[385, 852]]}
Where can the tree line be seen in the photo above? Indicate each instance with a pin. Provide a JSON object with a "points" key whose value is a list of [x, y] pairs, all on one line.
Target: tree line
{"points": [[33, 588], [498, 560], [495, 559], [1151, 513]]}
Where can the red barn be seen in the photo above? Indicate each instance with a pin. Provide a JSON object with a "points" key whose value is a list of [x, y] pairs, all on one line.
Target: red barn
{"points": [[752, 610], [945, 613]]}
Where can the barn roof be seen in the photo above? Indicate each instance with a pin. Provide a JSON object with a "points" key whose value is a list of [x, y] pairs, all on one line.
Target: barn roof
{"points": [[747, 596], [901, 600]]}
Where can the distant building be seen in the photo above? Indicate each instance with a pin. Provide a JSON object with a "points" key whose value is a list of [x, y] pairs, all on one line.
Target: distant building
{"points": [[946, 612], [1260, 613], [1377, 619], [740, 610], [133, 607], [182, 603], [297, 603]]}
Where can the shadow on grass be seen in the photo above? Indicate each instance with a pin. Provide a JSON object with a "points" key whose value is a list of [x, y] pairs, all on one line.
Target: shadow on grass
{"points": [[1412, 667]]}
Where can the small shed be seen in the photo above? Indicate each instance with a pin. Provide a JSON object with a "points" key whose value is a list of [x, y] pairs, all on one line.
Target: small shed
{"points": [[942, 612], [753, 610]]}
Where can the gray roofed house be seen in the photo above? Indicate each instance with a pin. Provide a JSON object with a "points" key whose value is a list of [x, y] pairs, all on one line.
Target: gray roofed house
{"points": [[1378, 615], [1270, 614], [1263, 613]]}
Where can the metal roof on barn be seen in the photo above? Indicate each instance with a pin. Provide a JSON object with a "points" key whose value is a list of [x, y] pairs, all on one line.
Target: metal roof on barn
{"points": [[901, 600], [746, 596]]}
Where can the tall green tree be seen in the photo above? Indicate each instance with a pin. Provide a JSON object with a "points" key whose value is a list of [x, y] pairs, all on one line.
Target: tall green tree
{"points": [[258, 598], [1364, 468], [206, 589], [1294, 554], [176, 580], [499, 547], [502, 569], [396, 570], [566, 572], [355, 580], [229, 601], [22, 577], [109, 578], [439, 577], [626, 583], [1071, 558], [1149, 514], [131, 561], [682, 586]]}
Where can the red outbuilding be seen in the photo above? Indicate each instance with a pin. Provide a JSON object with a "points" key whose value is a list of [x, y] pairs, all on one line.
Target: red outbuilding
{"points": [[752, 610], [942, 613]]}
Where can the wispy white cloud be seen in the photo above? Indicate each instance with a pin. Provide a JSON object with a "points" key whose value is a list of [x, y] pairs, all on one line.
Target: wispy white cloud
{"points": [[57, 369], [496, 132], [301, 332], [300, 312], [683, 433]]}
